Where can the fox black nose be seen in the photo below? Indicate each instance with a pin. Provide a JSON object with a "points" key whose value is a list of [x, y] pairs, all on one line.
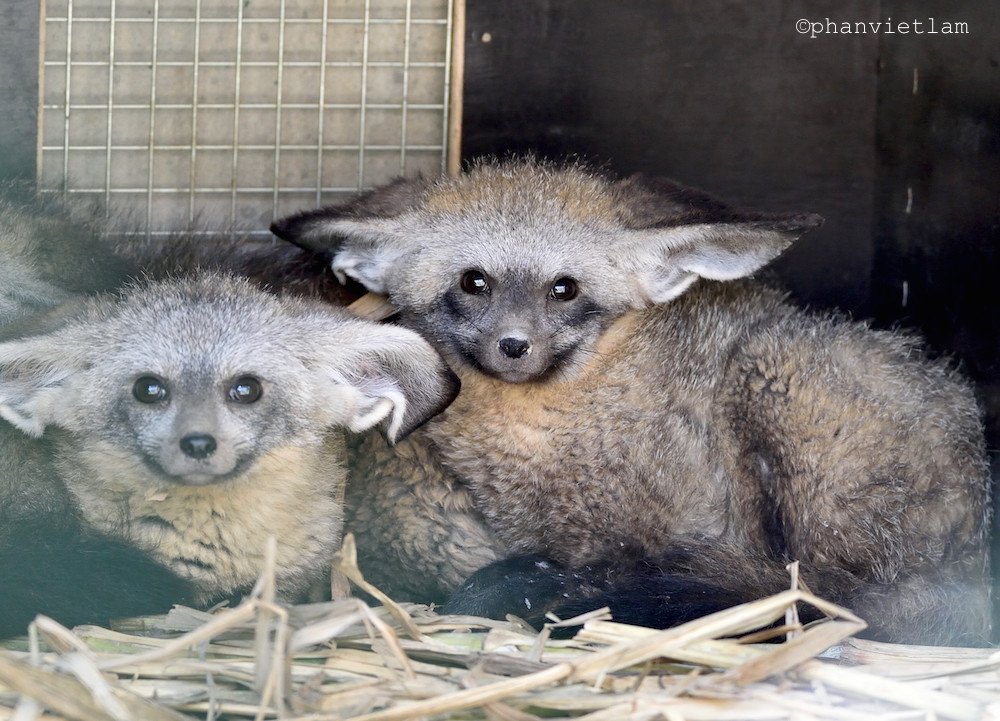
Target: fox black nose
{"points": [[198, 445], [515, 347]]}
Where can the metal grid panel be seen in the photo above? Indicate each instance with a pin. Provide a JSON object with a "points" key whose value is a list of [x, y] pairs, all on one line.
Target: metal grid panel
{"points": [[227, 113]]}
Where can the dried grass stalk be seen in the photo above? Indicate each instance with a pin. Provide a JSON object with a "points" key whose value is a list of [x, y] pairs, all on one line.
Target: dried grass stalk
{"points": [[343, 660], [373, 306], [90, 698]]}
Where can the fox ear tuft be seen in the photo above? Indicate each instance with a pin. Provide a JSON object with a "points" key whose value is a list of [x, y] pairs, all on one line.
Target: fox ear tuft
{"points": [[679, 234], [362, 236], [33, 378], [394, 379]]}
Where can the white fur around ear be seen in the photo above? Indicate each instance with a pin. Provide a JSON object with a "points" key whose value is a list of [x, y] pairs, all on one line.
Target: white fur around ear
{"points": [[370, 249], [670, 259], [386, 375], [32, 385], [374, 404], [368, 265], [362, 249]]}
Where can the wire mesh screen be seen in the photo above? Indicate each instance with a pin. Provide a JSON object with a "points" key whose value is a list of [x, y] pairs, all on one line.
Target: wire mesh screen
{"points": [[227, 113]]}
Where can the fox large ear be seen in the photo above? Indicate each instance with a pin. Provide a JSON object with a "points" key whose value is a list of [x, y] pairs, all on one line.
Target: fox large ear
{"points": [[33, 379], [679, 234], [390, 376], [361, 238]]}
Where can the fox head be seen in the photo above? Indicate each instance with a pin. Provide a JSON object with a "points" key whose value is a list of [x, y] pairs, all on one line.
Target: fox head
{"points": [[516, 268], [197, 379]]}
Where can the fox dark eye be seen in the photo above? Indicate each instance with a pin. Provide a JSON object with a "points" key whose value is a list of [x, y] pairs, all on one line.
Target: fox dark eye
{"points": [[563, 289], [149, 389], [245, 390], [474, 282]]}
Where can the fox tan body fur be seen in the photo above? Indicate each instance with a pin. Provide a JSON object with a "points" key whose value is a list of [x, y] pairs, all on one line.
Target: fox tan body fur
{"points": [[186, 422], [629, 407], [216, 535]]}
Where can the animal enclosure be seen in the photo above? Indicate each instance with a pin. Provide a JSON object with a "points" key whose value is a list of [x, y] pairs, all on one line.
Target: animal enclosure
{"points": [[231, 112], [226, 113]]}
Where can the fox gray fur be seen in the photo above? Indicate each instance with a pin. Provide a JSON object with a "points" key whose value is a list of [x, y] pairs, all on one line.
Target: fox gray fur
{"points": [[49, 255], [186, 421], [284, 269], [636, 421]]}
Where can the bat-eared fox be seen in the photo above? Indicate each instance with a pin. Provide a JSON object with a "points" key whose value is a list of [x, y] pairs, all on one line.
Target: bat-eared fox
{"points": [[641, 426]]}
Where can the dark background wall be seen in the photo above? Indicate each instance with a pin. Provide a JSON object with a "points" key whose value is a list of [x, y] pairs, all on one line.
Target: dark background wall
{"points": [[894, 138], [937, 222], [722, 95]]}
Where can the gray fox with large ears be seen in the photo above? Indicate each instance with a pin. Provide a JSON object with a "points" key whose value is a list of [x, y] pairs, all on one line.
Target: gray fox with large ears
{"points": [[153, 440], [640, 427]]}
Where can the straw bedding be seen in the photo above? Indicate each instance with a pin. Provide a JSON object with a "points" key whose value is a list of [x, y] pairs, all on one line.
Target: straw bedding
{"points": [[346, 660]]}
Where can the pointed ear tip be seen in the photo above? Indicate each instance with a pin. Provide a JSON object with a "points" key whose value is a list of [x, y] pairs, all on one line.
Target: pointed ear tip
{"points": [[283, 227]]}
